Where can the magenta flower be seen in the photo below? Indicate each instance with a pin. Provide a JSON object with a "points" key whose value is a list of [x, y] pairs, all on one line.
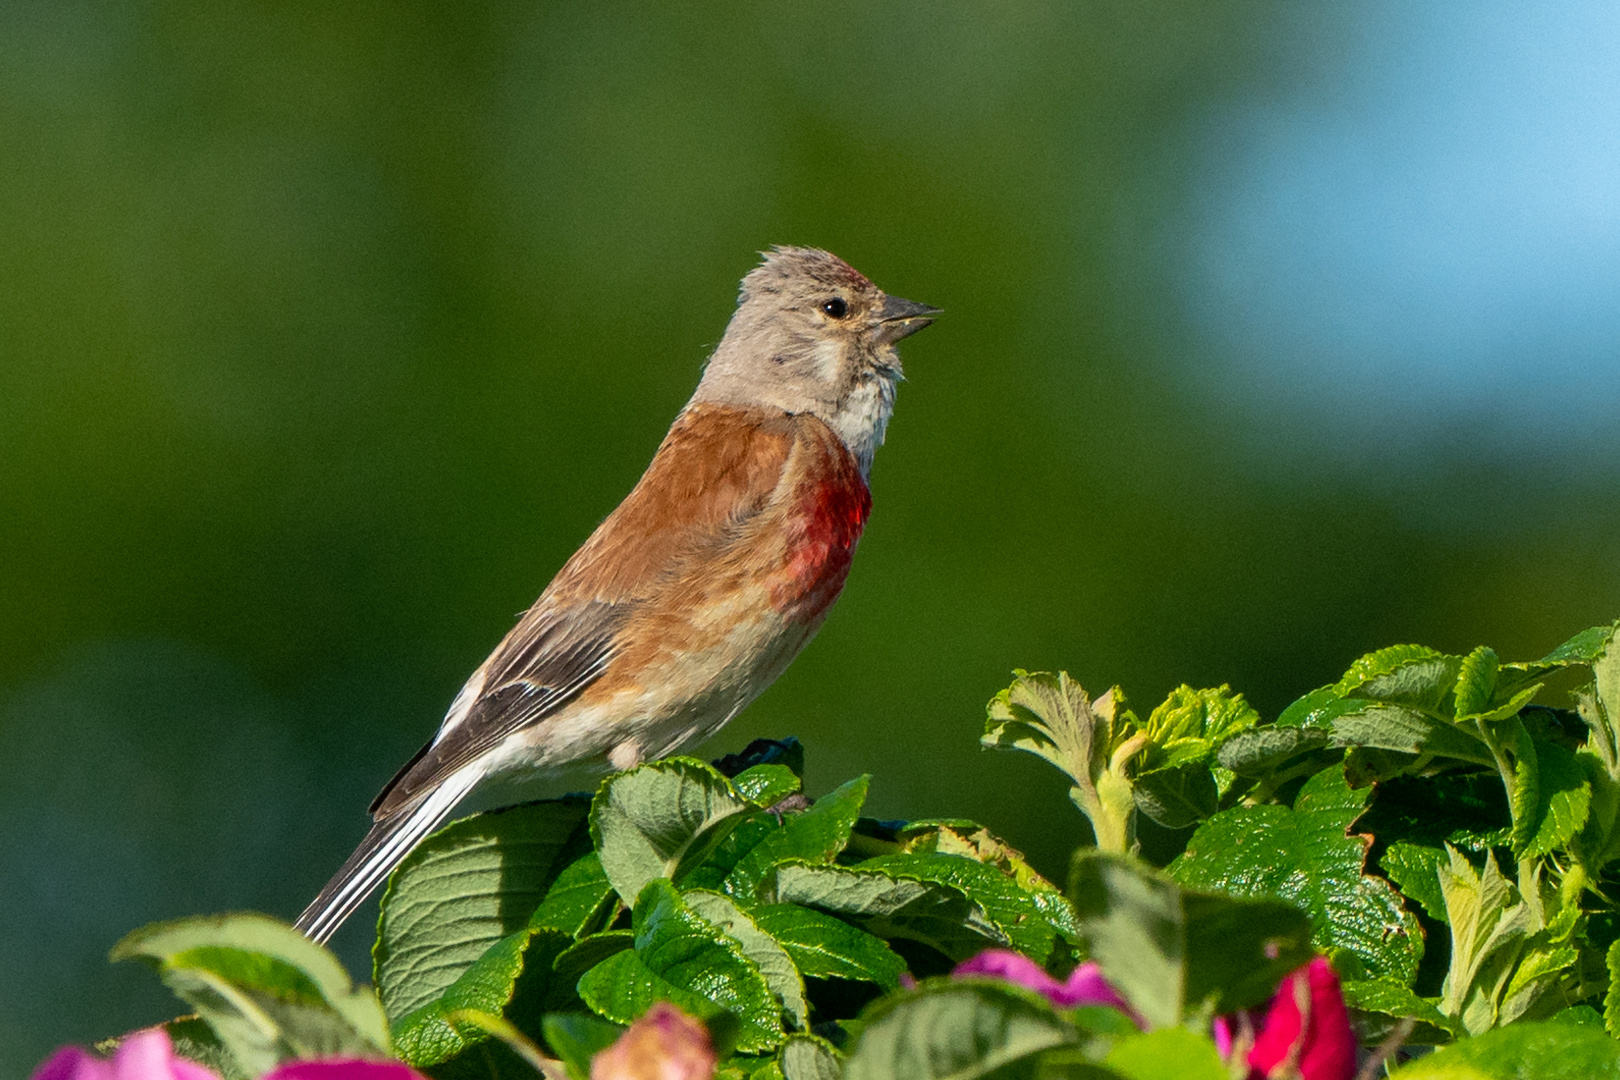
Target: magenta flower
{"points": [[344, 1069], [1305, 1033], [148, 1055], [665, 1044], [1084, 986], [145, 1055]]}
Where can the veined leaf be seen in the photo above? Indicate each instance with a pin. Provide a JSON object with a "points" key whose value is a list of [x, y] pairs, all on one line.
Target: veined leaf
{"points": [[1410, 731], [1175, 954], [959, 1030], [766, 785], [827, 947], [935, 914], [578, 900], [1012, 909], [814, 835], [759, 946], [1306, 856], [269, 993], [1408, 674], [1543, 1051], [681, 957], [660, 820], [464, 888]]}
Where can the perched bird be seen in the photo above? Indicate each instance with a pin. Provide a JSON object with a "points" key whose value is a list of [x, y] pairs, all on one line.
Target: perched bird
{"points": [[699, 590]]}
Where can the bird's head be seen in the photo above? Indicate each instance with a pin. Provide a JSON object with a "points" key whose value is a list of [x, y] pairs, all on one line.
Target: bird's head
{"points": [[812, 335]]}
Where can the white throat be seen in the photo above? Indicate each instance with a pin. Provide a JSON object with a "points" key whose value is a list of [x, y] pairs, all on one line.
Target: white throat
{"points": [[862, 417]]}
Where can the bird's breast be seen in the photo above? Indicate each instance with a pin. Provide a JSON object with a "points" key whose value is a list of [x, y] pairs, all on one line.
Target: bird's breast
{"points": [[824, 521]]}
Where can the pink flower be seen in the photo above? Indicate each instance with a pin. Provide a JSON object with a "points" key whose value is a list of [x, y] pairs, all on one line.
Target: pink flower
{"points": [[1084, 986], [344, 1069], [145, 1055], [1305, 1033], [148, 1055], [665, 1044]]}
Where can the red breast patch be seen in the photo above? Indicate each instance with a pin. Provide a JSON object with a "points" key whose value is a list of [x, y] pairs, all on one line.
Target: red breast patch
{"points": [[823, 529]]}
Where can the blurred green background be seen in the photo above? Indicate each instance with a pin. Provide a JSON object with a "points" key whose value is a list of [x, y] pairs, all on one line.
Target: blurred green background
{"points": [[1273, 333]]}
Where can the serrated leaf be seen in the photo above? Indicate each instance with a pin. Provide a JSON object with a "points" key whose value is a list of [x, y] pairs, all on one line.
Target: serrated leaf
{"points": [[971, 840], [591, 950], [811, 836], [1407, 674], [578, 900], [1052, 717], [464, 888], [1409, 731], [1551, 796], [660, 820], [1260, 750], [959, 1030], [823, 946], [269, 993], [427, 1037], [937, 915], [1206, 717], [681, 957], [1584, 648], [1176, 797], [808, 1057], [1611, 996], [1412, 867], [1393, 999], [1305, 855], [1175, 954], [1012, 909], [1542, 1051], [773, 961], [1476, 681], [766, 785]]}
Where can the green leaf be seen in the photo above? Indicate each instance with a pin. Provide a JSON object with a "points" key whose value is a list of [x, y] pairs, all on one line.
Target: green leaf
{"points": [[1542, 1051], [1611, 997], [1584, 648], [1412, 867], [815, 835], [772, 960], [269, 993], [1170, 1054], [1551, 796], [1260, 750], [1304, 855], [956, 1029], [1407, 730], [766, 785], [1052, 717], [1393, 999], [661, 819], [576, 1038], [935, 914], [822, 946], [1013, 910], [1476, 681], [194, 1040], [1406, 674], [464, 888], [591, 950], [1175, 954], [578, 900], [807, 1057], [684, 958], [426, 1037]]}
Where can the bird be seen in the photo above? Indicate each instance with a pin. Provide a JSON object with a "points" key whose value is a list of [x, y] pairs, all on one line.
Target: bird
{"points": [[691, 597]]}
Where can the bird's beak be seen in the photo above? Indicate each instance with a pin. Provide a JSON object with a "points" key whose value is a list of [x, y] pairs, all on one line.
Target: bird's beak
{"points": [[899, 318]]}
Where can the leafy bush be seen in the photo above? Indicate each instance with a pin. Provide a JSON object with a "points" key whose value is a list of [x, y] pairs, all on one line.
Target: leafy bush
{"points": [[1446, 842]]}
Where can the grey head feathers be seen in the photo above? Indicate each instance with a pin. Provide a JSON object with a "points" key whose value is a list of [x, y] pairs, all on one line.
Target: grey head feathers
{"points": [[811, 334]]}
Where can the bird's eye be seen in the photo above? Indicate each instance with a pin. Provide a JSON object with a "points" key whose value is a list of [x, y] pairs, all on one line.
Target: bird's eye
{"points": [[835, 308]]}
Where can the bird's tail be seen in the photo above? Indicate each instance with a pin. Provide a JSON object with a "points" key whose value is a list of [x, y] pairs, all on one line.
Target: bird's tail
{"points": [[389, 841]]}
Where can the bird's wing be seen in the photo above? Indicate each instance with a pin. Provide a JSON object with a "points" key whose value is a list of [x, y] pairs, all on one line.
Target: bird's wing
{"points": [[718, 468]]}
